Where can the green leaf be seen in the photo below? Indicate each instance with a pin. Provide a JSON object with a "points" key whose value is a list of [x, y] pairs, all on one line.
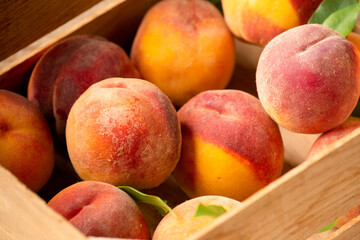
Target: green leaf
{"points": [[344, 20], [329, 227], [154, 201], [210, 210], [327, 7]]}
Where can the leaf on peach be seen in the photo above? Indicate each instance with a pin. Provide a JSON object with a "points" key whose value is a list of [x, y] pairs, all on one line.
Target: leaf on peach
{"points": [[209, 210]]}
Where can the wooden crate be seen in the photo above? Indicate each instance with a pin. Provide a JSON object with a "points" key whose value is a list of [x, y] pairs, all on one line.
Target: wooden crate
{"points": [[303, 200]]}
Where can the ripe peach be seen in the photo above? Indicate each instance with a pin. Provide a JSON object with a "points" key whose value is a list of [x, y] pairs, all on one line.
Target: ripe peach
{"points": [[67, 69], [230, 146], [325, 140], [183, 224], [26, 145], [124, 132], [184, 47], [100, 210], [308, 79], [259, 21]]}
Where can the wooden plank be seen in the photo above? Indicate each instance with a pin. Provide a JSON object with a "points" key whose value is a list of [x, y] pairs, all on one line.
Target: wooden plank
{"points": [[320, 236], [299, 203], [116, 20], [24, 215], [22, 22]]}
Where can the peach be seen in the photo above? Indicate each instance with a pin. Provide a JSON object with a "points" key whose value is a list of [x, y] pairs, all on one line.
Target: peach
{"points": [[184, 47], [124, 132], [230, 146], [101, 210], [308, 79], [259, 21], [67, 69], [26, 144], [324, 142], [184, 224]]}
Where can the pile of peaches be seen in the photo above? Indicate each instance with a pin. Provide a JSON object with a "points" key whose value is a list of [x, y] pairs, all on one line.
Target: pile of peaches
{"points": [[164, 111]]}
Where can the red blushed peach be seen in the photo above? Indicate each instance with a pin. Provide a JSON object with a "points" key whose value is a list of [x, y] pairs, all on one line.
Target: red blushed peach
{"points": [[101, 210], [259, 21], [124, 132], [26, 145], [184, 47], [67, 69], [308, 79], [327, 139], [230, 146], [183, 225]]}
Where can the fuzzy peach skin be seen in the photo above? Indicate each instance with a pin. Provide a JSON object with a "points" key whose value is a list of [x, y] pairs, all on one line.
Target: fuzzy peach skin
{"points": [[324, 143], [183, 225], [26, 144], [308, 78], [68, 68], [259, 21], [124, 132], [184, 47], [231, 147], [100, 210], [327, 139]]}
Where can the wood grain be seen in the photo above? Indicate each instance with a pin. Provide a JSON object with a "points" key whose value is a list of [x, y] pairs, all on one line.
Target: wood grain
{"points": [[116, 20], [22, 22]]}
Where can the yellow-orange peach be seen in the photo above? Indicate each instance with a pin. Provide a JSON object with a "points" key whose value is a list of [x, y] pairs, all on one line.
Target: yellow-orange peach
{"points": [[259, 21], [230, 146], [26, 145], [183, 224], [124, 132], [184, 47], [67, 69], [100, 210], [308, 78]]}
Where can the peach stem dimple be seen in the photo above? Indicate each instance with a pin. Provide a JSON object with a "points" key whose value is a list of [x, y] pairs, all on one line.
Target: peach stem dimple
{"points": [[314, 43]]}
